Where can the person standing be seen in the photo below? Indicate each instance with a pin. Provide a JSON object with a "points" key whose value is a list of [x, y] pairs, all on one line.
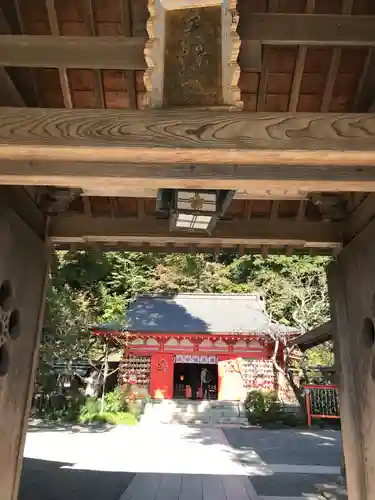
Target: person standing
{"points": [[205, 380]]}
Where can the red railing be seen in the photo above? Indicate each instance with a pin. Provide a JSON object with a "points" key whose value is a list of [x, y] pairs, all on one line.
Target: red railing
{"points": [[322, 401]]}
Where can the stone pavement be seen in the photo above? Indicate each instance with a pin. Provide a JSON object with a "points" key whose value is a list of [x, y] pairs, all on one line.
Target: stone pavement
{"points": [[177, 462], [191, 463]]}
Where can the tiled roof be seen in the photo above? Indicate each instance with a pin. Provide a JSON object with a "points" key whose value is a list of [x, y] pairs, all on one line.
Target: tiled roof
{"points": [[200, 313]]}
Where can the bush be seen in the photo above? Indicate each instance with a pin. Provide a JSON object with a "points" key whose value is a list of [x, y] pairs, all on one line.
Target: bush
{"points": [[116, 410], [91, 406], [115, 401], [262, 407], [109, 418]]}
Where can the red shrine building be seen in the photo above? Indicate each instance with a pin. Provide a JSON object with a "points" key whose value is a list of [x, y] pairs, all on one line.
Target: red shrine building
{"points": [[169, 339]]}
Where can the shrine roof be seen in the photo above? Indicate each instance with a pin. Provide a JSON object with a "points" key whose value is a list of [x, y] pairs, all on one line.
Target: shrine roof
{"points": [[200, 313]]}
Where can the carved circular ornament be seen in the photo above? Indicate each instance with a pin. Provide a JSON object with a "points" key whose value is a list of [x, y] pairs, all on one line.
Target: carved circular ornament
{"points": [[9, 325]]}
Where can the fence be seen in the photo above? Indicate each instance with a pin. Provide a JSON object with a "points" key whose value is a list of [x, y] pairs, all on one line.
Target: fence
{"points": [[322, 401]]}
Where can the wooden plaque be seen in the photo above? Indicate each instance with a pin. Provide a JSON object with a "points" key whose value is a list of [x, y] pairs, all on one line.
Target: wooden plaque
{"points": [[192, 54]]}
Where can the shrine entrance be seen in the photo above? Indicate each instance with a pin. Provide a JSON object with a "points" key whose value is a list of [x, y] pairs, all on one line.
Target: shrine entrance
{"points": [[152, 131], [187, 378]]}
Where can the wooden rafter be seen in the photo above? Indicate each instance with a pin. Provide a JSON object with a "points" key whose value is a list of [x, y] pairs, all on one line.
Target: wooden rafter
{"points": [[263, 81], [151, 192], [63, 75], [300, 66], [90, 22], [126, 23], [99, 52], [127, 53], [365, 94], [184, 137], [309, 29], [9, 95], [77, 228], [347, 6], [314, 337], [259, 181]]}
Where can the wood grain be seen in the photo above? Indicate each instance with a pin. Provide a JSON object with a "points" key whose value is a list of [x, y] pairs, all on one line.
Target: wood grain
{"points": [[79, 228], [100, 52], [187, 137]]}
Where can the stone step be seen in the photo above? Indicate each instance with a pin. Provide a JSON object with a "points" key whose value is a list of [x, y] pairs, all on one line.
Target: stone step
{"points": [[332, 491], [205, 412]]}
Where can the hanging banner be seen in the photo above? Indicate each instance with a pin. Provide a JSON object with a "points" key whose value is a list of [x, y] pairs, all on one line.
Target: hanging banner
{"points": [[199, 360]]}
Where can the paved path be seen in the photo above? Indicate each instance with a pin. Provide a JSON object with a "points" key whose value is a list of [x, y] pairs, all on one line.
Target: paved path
{"points": [[287, 464], [177, 462]]}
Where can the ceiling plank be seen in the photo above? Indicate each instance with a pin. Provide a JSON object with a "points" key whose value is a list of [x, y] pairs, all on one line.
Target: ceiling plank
{"points": [[79, 228], [100, 52], [187, 137], [309, 29]]}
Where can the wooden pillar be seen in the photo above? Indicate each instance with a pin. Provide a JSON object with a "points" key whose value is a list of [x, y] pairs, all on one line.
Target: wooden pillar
{"points": [[352, 292], [23, 275]]}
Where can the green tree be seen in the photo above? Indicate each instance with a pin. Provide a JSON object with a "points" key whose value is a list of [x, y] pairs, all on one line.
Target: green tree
{"points": [[89, 287]]}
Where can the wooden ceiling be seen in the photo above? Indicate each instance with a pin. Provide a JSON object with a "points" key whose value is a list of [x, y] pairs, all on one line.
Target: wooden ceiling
{"points": [[297, 56]]}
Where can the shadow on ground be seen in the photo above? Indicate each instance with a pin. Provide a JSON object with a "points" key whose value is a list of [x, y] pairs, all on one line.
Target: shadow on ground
{"points": [[62, 427], [46, 480]]}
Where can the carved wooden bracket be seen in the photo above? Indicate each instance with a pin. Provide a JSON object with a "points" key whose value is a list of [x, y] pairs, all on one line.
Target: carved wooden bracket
{"points": [[9, 325], [192, 54]]}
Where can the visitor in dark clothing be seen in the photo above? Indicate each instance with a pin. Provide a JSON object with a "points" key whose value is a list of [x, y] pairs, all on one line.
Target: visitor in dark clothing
{"points": [[205, 380]]}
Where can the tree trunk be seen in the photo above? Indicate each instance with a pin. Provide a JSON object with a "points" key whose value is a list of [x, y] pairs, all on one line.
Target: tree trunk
{"points": [[105, 375], [288, 376]]}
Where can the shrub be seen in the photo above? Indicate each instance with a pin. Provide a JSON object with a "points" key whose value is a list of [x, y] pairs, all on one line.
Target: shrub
{"points": [[117, 418], [115, 401], [262, 406], [91, 405]]}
